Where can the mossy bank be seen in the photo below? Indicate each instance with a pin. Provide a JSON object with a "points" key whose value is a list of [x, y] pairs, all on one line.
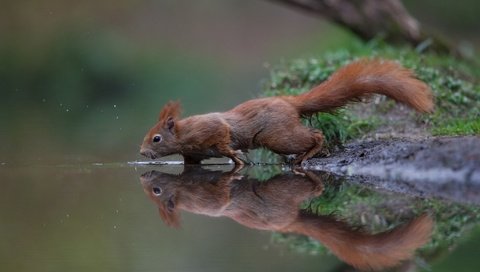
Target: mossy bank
{"points": [[454, 84]]}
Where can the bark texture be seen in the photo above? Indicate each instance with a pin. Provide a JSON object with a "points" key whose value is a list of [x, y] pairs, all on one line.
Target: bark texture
{"points": [[371, 18]]}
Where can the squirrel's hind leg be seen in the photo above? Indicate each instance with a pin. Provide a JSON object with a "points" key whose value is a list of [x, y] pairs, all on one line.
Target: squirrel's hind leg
{"points": [[293, 139], [317, 147]]}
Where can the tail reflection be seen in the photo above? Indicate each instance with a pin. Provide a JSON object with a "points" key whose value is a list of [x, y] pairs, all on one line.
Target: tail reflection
{"points": [[274, 205]]}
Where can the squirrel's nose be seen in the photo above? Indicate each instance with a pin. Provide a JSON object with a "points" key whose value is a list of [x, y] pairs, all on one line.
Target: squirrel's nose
{"points": [[148, 153], [145, 152], [148, 174]]}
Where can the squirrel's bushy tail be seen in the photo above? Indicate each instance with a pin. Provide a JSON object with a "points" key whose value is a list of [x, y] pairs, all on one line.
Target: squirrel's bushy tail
{"points": [[364, 77], [366, 251]]}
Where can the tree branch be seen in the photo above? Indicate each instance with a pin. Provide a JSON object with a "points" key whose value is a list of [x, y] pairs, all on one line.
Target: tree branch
{"points": [[370, 18]]}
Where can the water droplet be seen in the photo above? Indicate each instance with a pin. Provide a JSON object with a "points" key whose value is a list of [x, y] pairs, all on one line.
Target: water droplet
{"points": [[114, 106]]}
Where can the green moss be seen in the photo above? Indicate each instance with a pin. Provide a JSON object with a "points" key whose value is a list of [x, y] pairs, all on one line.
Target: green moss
{"points": [[453, 82], [458, 127]]}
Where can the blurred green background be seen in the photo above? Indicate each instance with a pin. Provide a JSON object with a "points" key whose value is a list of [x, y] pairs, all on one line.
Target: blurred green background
{"points": [[83, 81]]}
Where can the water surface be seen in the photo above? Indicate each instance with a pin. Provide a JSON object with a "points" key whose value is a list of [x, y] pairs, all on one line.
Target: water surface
{"points": [[98, 217]]}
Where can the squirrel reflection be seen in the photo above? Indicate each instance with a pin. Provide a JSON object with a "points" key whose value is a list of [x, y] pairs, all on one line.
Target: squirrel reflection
{"points": [[274, 205]]}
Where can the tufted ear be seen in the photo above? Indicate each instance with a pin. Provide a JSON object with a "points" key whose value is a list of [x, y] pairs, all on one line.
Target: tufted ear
{"points": [[170, 123], [169, 114], [169, 214]]}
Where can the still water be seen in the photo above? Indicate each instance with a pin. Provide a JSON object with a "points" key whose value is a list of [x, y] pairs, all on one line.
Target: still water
{"points": [[131, 217]]}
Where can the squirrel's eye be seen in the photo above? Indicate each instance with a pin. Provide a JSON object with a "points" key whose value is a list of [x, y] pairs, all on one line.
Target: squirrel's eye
{"points": [[157, 138], [157, 191]]}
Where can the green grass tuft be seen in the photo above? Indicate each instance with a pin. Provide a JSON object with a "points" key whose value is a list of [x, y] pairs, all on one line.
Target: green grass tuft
{"points": [[458, 127]]}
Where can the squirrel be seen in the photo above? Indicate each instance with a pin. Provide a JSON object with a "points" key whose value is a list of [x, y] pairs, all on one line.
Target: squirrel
{"points": [[274, 123], [274, 205]]}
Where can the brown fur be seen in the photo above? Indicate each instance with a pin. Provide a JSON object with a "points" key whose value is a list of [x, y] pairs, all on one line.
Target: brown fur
{"points": [[274, 122], [274, 205]]}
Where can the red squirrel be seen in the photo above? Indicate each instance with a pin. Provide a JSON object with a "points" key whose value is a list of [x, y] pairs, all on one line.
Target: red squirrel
{"points": [[274, 123], [273, 205]]}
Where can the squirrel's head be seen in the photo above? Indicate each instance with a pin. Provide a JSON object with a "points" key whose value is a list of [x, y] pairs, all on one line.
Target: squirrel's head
{"points": [[161, 139], [161, 188]]}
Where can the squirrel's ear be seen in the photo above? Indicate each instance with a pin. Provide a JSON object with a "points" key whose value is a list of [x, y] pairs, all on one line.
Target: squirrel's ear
{"points": [[170, 123], [170, 110], [169, 213], [171, 204]]}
